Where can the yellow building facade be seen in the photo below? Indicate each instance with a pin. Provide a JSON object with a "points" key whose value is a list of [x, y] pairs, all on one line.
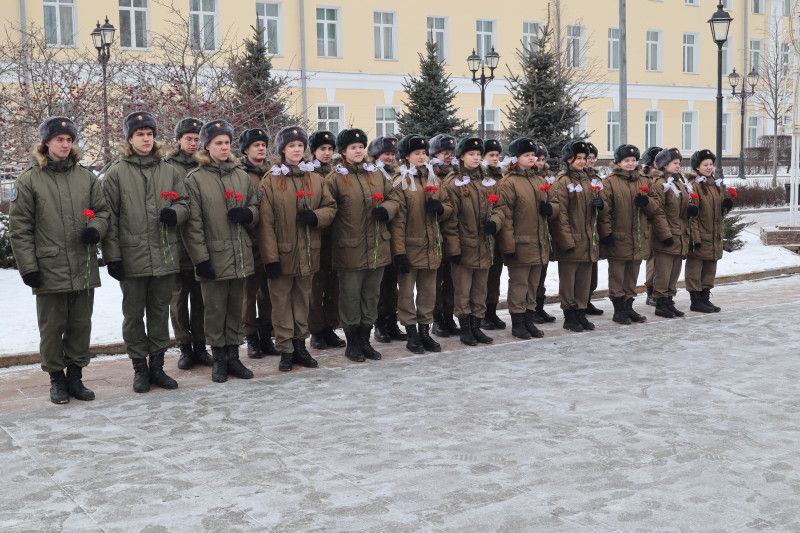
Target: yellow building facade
{"points": [[348, 58]]}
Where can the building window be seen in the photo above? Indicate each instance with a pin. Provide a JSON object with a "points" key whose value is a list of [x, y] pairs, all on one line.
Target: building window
{"points": [[688, 130], [203, 19], [726, 133], [691, 2], [785, 57], [59, 22], [755, 54], [327, 32], [613, 48], [269, 19], [727, 4], [653, 50], [384, 29], [787, 8], [531, 33], [690, 53], [758, 6], [133, 23], [385, 121], [612, 131], [752, 131], [329, 117], [492, 123], [484, 32], [726, 60], [437, 33], [652, 125], [575, 46], [578, 130]]}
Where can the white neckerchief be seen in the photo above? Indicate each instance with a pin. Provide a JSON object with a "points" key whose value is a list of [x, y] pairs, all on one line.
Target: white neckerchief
{"points": [[463, 180], [571, 187], [341, 170], [550, 179], [507, 160], [488, 182], [278, 170], [454, 162], [688, 185], [436, 161], [316, 163], [306, 167], [670, 186], [406, 178], [597, 183], [719, 182], [381, 166], [700, 179], [369, 167]]}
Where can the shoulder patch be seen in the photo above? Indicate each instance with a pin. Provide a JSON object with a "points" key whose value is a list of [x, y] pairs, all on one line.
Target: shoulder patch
{"points": [[14, 194]]}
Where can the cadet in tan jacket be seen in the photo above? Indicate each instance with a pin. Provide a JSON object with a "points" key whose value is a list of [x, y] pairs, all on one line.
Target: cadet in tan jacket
{"points": [[360, 240], [491, 166], [631, 206], [417, 241], [223, 204], [648, 167], [591, 171], [294, 208], [532, 205], [575, 235], [543, 172], [477, 216], [714, 202]]}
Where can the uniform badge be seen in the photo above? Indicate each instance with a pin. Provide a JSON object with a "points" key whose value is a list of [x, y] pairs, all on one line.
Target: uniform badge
{"points": [[14, 194]]}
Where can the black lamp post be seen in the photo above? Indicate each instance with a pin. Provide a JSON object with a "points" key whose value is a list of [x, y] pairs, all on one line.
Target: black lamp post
{"points": [[475, 62], [720, 23], [102, 39], [743, 94]]}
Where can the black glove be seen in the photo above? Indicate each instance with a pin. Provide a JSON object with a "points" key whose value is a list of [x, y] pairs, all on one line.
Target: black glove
{"points": [[489, 227], [32, 279], [380, 214], [307, 217], [168, 216], [598, 203], [240, 215], [507, 258], [90, 235], [455, 259], [205, 270], [273, 270], [402, 264], [434, 206], [692, 211], [116, 270], [568, 251], [641, 201], [669, 241], [727, 204], [545, 209], [608, 240]]}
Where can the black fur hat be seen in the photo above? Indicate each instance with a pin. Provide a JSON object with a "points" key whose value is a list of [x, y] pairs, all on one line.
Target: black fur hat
{"points": [[321, 138], [626, 150], [382, 145], [592, 149], [187, 125], [468, 144], [520, 146], [138, 120], [541, 150], [411, 142], [350, 136], [700, 156], [53, 126], [666, 156], [650, 154], [492, 145], [573, 148], [212, 129], [289, 134], [250, 136], [441, 143]]}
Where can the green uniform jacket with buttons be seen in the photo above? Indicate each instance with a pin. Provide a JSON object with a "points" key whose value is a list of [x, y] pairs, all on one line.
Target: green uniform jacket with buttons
{"points": [[709, 221], [46, 222], [675, 200], [576, 227], [185, 163]]}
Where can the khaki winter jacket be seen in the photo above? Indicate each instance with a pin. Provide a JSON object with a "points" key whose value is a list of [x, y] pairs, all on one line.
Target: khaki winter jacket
{"points": [[209, 234], [46, 222], [576, 226], [184, 163], [133, 185], [359, 241], [709, 221], [674, 199]]}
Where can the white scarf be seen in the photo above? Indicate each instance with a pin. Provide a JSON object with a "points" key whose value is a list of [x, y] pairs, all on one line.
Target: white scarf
{"points": [[507, 160], [550, 179], [316, 163], [688, 185], [341, 170], [571, 187], [463, 180], [700, 179], [381, 165], [488, 182], [306, 167], [278, 170], [454, 162], [597, 183], [720, 182], [369, 167], [406, 178], [670, 186]]}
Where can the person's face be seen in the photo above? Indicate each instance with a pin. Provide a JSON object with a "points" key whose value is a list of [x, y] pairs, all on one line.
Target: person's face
{"points": [[324, 154], [293, 152], [591, 160], [354, 153], [706, 167], [673, 167], [578, 162], [417, 158], [629, 163], [189, 142], [219, 148], [526, 160], [540, 161], [142, 141], [445, 156], [59, 147], [492, 158], [257, 152], [471, 159], [387, 157]]}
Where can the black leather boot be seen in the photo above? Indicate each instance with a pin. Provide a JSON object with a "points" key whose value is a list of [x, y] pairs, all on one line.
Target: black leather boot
{"points": [[265, 340], [366, 348], [381, 331], [287, 360], [332, 339], [219, 369], [201, 355], [635, 317], [235, 366], [662, 308], [427, 341], [592, 310], [466, 336], [580, 315], [393, 329], [353, 350], [490, 320], [707, 299], [541, 314], [317, 342], [479, 335], [75, 385], [518, 328], [530, 325], [254, 347], [449, 322], [141, 375], [675, 311], [620, 313], [699, 302], [301, 355], [571, 322], [186, 360], [413, 342], [157, 375], [650, 300], [59, 393]]}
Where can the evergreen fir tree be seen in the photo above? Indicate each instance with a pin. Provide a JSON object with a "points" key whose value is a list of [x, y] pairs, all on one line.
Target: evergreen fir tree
{"points": [[429, 109], [542, 106]]}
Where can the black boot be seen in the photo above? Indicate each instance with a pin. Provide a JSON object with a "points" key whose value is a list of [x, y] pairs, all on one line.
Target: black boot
{"points": [[635, 317], [450, 323], [332, 339], [580, 315], [530, 325], [201, 355], [394, 329], [265, 338], [59, 392], [427, 342], [650, 300], [317, 342], [141, 375], [438, 325], [381, 331], [490, 320], [254, 347], [699, 302], [707, 299], [541, 314], [301, 355], [219, 368], [592, 310], [366, 348], [75, 385], [287, 360], [413, 342], [479, 335], [518, 328], [671, 304], [353, 350], [157, 375], [186, 360], [662, 308], [235, 366], [620, 313], [466, 335], [571, 322]]}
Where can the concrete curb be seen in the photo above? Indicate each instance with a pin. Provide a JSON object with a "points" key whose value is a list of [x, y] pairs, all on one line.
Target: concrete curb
{"points": [[30, 358]]}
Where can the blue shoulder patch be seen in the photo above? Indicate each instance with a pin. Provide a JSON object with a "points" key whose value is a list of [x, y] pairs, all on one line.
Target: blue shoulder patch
{"points": [[14, 194]]}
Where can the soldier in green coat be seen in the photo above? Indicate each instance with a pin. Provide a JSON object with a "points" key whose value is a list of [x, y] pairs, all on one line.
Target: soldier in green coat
{"points": [[58, 215], [148, 202]]}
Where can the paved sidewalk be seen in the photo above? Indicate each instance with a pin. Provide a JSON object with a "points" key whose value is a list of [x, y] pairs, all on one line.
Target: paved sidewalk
{"points": [[680, 425]]}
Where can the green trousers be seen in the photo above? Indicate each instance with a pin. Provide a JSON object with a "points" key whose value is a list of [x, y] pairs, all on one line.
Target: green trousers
{"points": [[359, 291], [186, 309], [65, 325], [223, 318], [145, 314]]}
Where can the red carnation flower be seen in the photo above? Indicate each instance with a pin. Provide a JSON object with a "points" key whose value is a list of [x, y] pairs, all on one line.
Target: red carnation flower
{"points": [[309, 193], [300, 194], [431, 188], [644, 188], [174, 195], [229, 194], [238, 197], [88, 213], [165, 194], [596, 188], [695, 196], [492, 198], [544, 188], [378, 197], [733, 192]]}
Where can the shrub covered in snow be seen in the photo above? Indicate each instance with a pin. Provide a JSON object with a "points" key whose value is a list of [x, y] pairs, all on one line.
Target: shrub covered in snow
{"points": [[6, 257]]}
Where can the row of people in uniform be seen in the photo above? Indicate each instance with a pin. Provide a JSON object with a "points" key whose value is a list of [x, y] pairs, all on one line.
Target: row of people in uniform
{"points": [[418, 231]]}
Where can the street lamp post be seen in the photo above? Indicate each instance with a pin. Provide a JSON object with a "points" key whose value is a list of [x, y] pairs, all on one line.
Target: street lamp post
{"points": [[742, 95], [102, 39], [475, 62], [720, 23]]}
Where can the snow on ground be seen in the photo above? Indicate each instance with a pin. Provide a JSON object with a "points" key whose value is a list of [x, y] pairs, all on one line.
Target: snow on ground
{"points": [[19, 331]]}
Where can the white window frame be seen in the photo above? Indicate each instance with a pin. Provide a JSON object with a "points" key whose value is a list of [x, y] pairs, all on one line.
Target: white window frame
{"points": [[325, 22], [324, 123], [756, 56], [757, 6], [727, 133], [580, 127], [481, 35], [727, 60], [694, 130], [786, 9], [439, 36], [379, 35], [613, 49], [786, 57], [694, 3], [653, 128], [575, 52], [659, 51], [691, 53], [133, 10], [753, 129], [727, 4], [495, 122], [202, 14], [613, 130], [56, 5], [265, 19], [380, 124], [531, 33]]}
